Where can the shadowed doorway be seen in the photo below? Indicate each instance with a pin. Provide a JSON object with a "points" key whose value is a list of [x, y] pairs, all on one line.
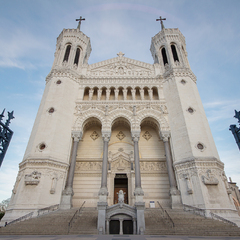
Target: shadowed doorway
{"points": [[120, 183]]}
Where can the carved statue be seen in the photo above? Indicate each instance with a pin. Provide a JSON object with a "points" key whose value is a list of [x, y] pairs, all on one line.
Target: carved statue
{"points": [[121, 196]]}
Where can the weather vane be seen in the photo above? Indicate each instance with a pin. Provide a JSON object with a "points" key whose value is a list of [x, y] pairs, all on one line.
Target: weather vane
{"points": [[161, 20], [79, 22]]}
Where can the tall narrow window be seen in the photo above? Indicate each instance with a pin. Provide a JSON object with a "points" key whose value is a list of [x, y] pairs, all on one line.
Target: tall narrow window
{"points": [[174, 52], [164, 56], [77, 56], [66, 56]]}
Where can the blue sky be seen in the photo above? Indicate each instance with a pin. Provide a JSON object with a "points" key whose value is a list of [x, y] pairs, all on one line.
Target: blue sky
{"points": [[27, 44]]}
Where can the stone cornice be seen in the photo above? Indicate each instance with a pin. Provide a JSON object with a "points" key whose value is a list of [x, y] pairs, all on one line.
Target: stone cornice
{"points": [[36, 162], [198, 162], [179, 72], [106, 80], [73, 33]]}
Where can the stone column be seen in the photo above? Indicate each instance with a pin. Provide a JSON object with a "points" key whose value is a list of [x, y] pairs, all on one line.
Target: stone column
{"points": [[108, 94], [138, 193], [107, 226], [142, 94], [133, 94], [66, 200], [150, 93], [125, 94], [103, 192], [121, 226], [116, 91], [90, 94], [135, 138], [174, 192], [99, 94], [134, 226]]}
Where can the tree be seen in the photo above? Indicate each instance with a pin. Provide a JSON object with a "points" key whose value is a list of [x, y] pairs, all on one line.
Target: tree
{"points": [[4, 204]]}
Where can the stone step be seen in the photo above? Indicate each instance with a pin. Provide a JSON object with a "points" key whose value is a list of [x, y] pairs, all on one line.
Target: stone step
{"points": [[186, 223], [86, 222], [52, 223]]}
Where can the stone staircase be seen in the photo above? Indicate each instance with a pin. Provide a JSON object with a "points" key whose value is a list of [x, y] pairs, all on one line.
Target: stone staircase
{"points": [[86, 222], [55, 223], [186, 223]]}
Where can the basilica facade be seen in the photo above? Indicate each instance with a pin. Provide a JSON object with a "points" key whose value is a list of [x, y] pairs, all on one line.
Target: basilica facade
{"points": [[121, 126]]}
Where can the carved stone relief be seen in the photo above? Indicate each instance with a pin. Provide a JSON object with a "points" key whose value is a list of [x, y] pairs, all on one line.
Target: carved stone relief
{"points": [[147, 135], [120, 135], [120, 164], [33, 178], [225, 181], [94, 135], [209, 178], [120, 66], [18, 179], [88, 166], [188, 183], [153, 166], [54, 176]]}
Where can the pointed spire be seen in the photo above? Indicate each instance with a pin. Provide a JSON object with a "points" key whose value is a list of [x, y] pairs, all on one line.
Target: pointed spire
{"points": [[161, 21], [79, 22]]}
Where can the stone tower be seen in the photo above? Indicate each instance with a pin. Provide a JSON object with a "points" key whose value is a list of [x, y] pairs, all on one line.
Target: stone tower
{"points": [[121, 134]]}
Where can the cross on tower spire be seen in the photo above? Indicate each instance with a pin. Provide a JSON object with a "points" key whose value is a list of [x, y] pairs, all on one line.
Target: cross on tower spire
{"points": [[161, 20], [79, 22]]}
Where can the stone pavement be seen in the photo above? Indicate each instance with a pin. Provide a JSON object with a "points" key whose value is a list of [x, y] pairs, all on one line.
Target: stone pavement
{"points": [[110, 237]]}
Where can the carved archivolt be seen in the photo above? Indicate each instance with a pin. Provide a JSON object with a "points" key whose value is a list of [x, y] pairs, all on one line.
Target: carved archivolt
{"points": [[107, 114]]}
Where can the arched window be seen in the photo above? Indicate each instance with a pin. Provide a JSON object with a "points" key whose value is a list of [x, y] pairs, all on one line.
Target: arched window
{"points": [[77, 56], [174, 53], [66, 56], [164, 56]]}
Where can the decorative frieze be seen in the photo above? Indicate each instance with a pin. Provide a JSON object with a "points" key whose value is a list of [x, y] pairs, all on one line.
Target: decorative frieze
{"points": [[43, 163], [153, 167], [88, 166]]}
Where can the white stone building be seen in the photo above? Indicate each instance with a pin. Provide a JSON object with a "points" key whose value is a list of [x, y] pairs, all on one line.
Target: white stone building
{"points": [[121, 124]]}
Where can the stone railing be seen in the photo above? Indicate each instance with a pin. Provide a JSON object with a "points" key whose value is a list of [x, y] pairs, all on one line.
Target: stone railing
{"points": [[216, 217], [39, 213], [46, 210], [203, 212], [76, 214], [25, 217], [165, 214], [195, 210]]}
